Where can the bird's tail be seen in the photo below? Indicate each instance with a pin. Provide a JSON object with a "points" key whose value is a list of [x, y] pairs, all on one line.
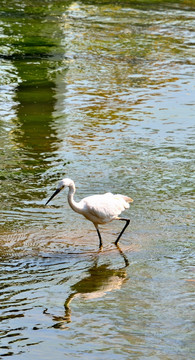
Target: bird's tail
{"points": [[127, 199], [124, 197]]}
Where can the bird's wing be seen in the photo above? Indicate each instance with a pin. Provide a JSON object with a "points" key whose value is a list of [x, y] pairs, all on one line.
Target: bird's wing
{"points": [[104, 207]]}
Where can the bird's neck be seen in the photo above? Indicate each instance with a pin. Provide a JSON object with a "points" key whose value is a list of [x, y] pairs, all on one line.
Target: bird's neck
{"points": [[73, 204]]}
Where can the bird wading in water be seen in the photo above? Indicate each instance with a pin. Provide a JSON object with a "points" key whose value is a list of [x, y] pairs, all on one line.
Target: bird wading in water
{"points": [[100, 209]]}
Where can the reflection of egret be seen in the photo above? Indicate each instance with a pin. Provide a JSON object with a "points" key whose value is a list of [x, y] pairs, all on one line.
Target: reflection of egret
{"points": [[99, 209], [101, 279]]}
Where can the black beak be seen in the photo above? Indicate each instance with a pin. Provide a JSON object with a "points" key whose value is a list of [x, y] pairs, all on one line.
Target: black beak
{"points": [[52, 196]]}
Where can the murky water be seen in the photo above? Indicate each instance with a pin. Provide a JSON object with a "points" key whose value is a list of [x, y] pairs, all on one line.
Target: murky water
{"points": [[102, 93]]}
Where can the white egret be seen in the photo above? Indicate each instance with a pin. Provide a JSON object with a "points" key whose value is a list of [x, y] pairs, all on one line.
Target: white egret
{"points": [[100, 209]]}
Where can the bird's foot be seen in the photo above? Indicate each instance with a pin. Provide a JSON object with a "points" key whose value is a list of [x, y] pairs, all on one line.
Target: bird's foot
{"points": [[100, 248]]}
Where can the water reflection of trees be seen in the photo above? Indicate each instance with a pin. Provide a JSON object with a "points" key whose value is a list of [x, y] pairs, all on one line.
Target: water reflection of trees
{"points": [[31, 53]]}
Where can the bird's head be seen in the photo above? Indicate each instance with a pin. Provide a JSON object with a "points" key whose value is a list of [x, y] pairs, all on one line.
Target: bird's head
{"points": [[61, 185]]}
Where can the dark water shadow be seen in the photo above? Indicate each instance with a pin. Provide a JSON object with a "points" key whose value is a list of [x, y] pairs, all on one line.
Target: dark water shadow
{"points": [[100, 280]]}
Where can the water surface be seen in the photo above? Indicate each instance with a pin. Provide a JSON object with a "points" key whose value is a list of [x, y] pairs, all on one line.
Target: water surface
{"points": [[103, 93]]}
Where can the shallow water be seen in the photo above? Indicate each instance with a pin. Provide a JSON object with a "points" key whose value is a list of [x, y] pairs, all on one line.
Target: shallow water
{"points": [[103, 94]]}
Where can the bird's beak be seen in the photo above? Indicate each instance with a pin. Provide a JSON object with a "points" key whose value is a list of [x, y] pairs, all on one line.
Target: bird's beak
{"points": [[52, 196]]}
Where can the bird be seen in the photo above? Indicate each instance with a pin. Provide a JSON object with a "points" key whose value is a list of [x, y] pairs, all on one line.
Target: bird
{"points": [[99, 209]]}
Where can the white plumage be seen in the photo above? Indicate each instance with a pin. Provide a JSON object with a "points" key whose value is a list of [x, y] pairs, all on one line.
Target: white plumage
{"points": [[99, 209], [104, 208]]}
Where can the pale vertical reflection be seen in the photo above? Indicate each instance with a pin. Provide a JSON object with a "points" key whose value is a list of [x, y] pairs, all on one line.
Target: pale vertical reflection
{"points": [[8, 102]]}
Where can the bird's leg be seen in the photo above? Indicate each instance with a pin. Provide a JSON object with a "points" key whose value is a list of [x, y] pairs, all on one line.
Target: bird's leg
{"points": [[100, 238], [127, 223]]}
